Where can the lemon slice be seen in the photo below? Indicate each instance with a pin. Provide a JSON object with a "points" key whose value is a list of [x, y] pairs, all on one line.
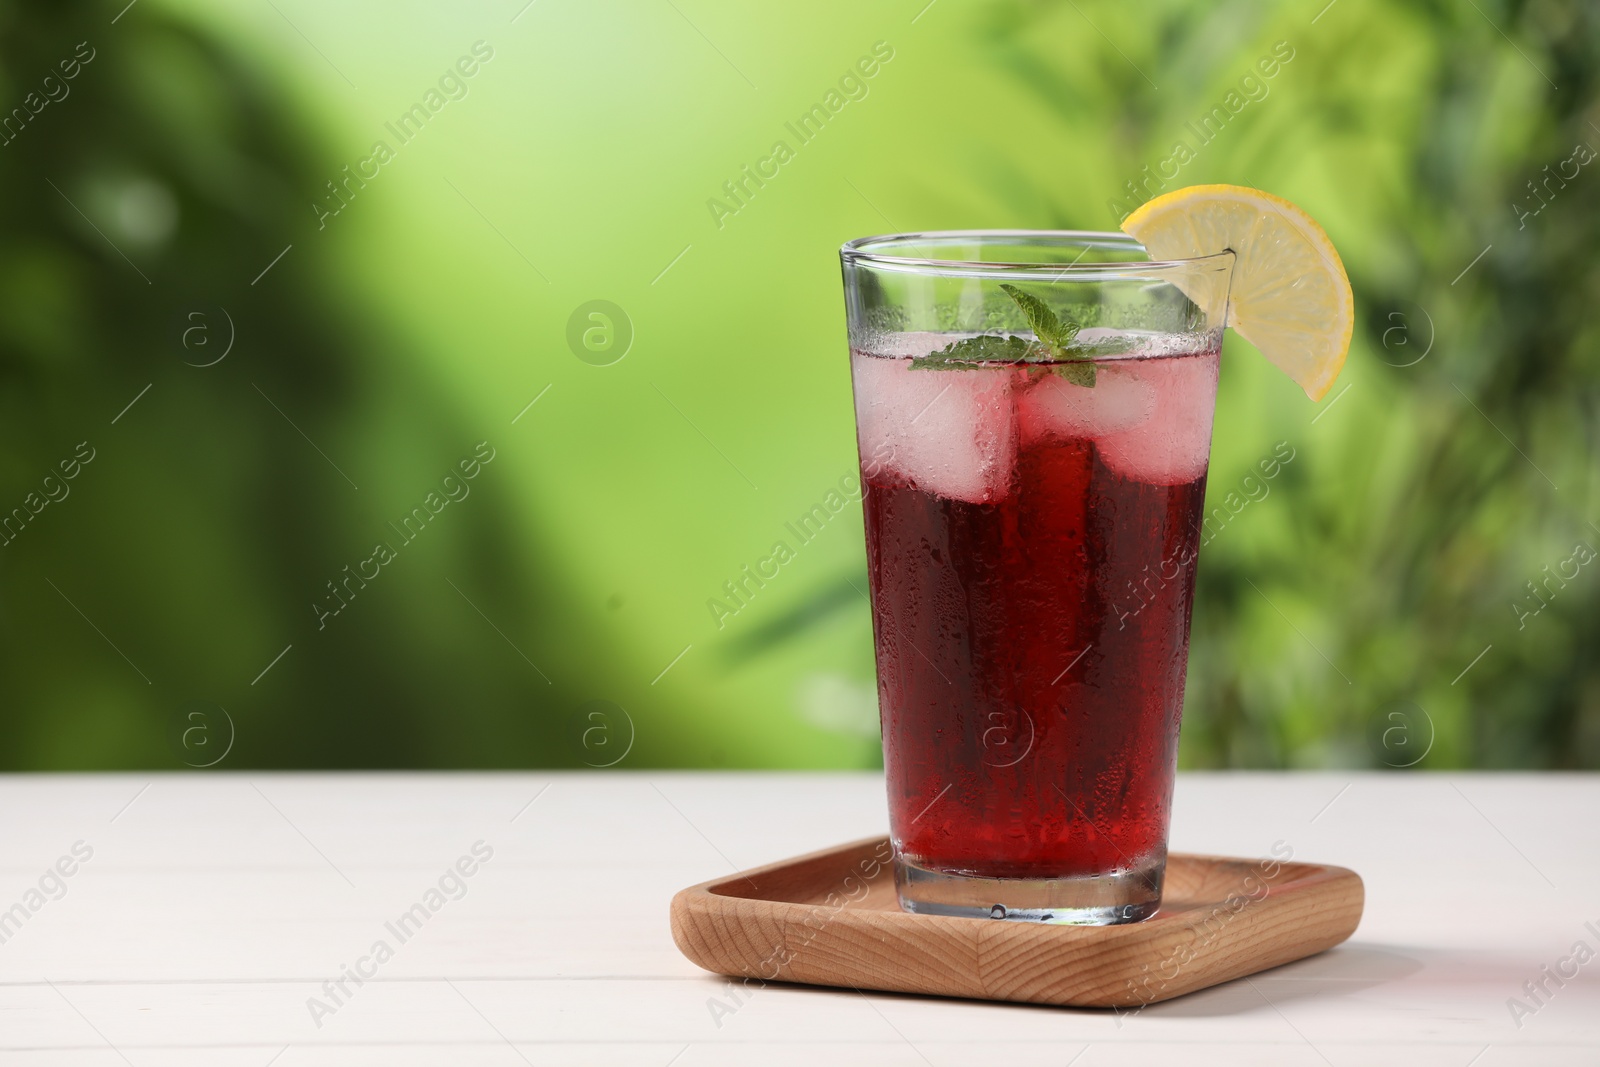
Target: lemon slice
{"points": [[1289, 294]]}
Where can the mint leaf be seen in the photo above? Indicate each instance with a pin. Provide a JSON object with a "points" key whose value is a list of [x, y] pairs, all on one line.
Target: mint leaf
{"points": [[1057, 336], [985, 348], [1055, 344], [1046, 326], [1078, 372]]}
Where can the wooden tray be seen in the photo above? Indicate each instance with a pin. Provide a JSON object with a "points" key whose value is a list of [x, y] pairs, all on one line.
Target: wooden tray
{"points": [[832, 919]]}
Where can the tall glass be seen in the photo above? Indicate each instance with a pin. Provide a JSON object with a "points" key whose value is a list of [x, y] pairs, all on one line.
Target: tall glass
{"points": [[1032, 530]]}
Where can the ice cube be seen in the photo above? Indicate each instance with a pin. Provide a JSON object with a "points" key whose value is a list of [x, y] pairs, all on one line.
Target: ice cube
{"points": [[1054, 407], [1173, 445], [947, 432]]}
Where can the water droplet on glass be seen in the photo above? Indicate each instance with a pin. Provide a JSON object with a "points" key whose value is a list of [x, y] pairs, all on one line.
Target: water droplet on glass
{"points": [[997, 912]]}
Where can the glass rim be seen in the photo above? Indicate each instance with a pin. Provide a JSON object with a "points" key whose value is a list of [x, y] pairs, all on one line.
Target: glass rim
{"points": [[870, 251]]}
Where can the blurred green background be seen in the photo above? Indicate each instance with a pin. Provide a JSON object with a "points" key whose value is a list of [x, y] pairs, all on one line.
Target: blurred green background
{"points": [[267, 388]]}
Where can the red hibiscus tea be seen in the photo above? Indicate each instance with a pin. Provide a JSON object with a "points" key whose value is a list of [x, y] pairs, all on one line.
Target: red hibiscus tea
{"points": [[1033, 500]]}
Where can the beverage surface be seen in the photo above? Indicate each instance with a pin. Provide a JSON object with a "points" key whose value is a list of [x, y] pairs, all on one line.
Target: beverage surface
{"points": [[1031, 546]]}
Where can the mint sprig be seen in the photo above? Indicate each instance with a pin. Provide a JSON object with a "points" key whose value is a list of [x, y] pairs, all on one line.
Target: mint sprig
{"points": [[1045, 323], [1056, 343], [984, 348]]}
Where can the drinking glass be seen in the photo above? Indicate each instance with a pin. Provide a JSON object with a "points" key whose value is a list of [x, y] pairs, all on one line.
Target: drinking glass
{"points": [[1033, 518]]}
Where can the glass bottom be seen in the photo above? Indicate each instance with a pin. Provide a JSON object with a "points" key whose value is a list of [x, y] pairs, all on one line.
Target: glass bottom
{"points": [[1094, 900]]}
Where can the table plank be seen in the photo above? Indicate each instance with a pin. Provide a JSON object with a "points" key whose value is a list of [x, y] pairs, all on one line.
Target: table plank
{"points": [[214, 906]]}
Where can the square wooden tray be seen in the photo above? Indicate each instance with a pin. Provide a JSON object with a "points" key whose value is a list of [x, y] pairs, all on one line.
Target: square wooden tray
{"points": [[832, 918]]}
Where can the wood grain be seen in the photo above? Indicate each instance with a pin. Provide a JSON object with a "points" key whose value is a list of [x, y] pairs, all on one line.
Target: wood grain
{"points": [[831, 918]]}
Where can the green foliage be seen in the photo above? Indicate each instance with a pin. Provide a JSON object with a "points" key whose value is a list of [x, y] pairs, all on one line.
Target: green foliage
{"points": [[1341, 620], [189, 551], [1369, 601]]}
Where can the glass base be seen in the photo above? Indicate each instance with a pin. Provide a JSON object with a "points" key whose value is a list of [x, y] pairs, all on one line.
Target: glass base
{"points": [[1094, 900]]}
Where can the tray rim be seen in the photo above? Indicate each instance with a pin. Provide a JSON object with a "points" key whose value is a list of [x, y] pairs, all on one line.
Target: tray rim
{"points": [[705, 901]]}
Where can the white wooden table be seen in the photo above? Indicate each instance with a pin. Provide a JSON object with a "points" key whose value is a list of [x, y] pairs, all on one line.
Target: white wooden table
{"points": [[215, 906]]}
